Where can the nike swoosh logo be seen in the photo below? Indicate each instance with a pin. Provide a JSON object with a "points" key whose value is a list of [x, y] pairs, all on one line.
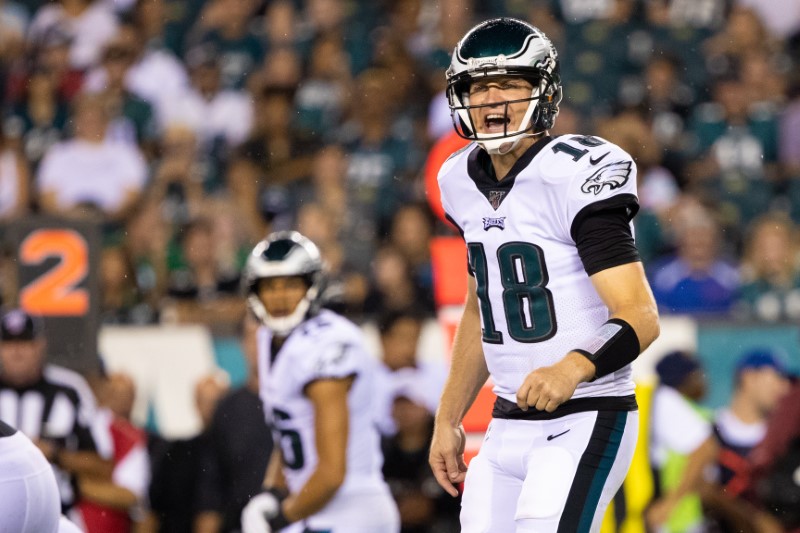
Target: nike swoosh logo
{"points": [[594, 161], [551, 437]]}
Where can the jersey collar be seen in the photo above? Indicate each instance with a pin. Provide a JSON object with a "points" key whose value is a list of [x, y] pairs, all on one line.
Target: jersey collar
{"points": [[481, 171]]}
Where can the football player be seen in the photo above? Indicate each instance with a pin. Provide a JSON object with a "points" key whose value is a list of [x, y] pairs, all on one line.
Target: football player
{"points": [[316, 380], [558, 304], [29, 498]]}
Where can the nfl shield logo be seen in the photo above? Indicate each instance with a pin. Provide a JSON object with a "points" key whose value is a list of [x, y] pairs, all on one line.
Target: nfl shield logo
{"points": [[495, 198]]}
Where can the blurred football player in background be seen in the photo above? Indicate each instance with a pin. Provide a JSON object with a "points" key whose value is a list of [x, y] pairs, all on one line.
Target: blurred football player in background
{"points": [[317, 385]]}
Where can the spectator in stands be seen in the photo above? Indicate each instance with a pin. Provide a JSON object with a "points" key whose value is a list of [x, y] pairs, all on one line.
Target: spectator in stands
{"points": [[681, 445], [683, 13], [133, 118], [321, 97], [696, 279], [146, 242], [14, 182], [181, 175], [392, 286], [122, 300], [220, 118], [90, 24], [743, 32], [115, 503], [280, 24], [53, 406], [332, 17], [165, 25], [35, 118], [239, 446], [274, 153], [424, 506], [411, 232], [201, 291], [775, 461], [13, 26], [381, 161], [326, 187], [233, 237], [764, 79], [244, 189], [345, 289], [174, 492], [760, 383], [400, 335], [770, 288], [226, 24], [732, 133], [88, 174], [790, 129], [781, 18]]}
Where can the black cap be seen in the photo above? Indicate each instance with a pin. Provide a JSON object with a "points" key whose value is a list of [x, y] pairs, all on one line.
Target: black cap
{"points": [[17, 325], [675, 367]]}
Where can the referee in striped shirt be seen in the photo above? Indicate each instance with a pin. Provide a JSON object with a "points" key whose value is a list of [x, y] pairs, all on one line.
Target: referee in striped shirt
{"points": [[51, 405]]}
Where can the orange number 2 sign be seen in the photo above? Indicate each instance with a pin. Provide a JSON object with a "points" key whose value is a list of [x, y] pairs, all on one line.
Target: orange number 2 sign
{"points": [[56, 292]]}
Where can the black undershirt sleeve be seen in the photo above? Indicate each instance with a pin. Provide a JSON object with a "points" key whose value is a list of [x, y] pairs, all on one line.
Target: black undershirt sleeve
{"points": [[602, 233]]}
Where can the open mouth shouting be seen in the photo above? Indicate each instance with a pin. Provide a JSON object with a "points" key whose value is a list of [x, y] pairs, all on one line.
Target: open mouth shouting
{"points": [[496, 123]]}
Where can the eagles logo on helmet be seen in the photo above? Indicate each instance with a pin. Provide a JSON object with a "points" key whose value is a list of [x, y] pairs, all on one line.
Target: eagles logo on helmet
{"points": [[505, 47], [284, 254]]}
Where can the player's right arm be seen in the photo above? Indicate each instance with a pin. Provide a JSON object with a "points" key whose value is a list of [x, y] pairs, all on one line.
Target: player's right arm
{"points": [[468, 373]]}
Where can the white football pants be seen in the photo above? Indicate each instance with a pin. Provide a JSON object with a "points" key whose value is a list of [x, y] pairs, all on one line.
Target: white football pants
{"points": [[548, 476]]}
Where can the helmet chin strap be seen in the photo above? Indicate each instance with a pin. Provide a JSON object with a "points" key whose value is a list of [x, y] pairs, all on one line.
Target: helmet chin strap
{"points": [[505, 145], [282, 326]]}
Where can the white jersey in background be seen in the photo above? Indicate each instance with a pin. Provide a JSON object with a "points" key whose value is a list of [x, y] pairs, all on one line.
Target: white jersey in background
{"points": [[536, 299], [326, 346]]}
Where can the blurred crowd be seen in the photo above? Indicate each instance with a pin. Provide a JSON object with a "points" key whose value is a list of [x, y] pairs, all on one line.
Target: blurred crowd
{"points": [[188, 129]]}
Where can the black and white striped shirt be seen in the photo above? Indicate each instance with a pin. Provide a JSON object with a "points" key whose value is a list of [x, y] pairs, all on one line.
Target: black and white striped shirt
{"points": [[60, 408]]}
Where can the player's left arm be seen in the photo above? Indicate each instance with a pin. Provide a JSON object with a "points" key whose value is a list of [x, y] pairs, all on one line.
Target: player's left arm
{"points": [[625, 291], [331, 427], [632, 327], [601, 200]]}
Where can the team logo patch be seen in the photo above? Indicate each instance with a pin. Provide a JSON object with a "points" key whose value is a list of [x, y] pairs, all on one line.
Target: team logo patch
{"points": [[496, 198], [494, 222], [615, 175]]}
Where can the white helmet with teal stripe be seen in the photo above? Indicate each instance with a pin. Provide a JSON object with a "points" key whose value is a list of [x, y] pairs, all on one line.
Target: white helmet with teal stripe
{"points": [[284, 254], [505, 47]]}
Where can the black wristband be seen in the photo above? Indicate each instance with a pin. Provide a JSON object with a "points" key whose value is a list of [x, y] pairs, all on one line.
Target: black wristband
{"points": [[279, 521], [614, 346]]}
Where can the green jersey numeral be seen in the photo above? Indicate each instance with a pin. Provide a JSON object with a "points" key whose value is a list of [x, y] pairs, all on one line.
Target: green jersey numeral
{"points": [[291, 444], [527, 303]]}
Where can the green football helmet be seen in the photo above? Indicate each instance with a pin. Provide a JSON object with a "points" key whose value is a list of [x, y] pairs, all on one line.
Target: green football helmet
{"points": [[505, 47]]}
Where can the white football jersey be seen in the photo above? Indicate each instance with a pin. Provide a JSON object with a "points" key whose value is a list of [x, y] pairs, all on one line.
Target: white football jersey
{"points": [[537, 302], [326, 346]]}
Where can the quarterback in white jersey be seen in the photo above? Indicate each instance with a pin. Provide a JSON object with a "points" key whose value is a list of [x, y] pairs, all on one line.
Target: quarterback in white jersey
{"points": [[558, 304], [317, 383]]}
